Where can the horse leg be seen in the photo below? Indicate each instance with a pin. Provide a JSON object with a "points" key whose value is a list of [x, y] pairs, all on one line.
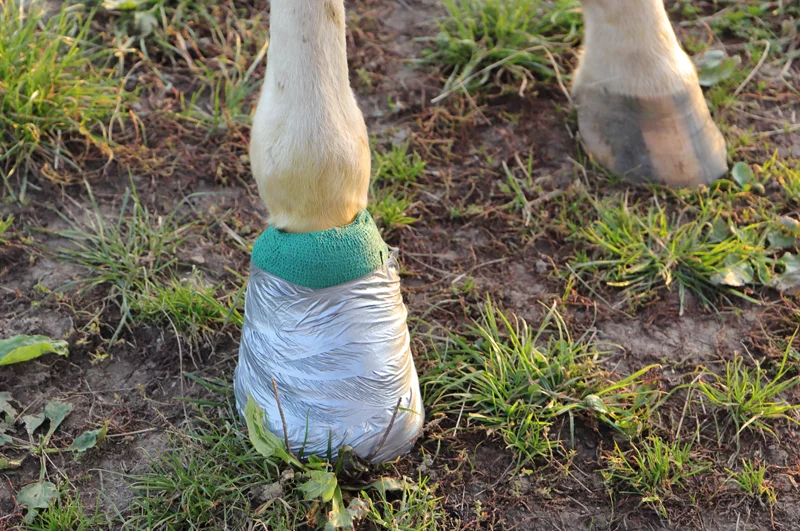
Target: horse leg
{"points": [[641, 112]]}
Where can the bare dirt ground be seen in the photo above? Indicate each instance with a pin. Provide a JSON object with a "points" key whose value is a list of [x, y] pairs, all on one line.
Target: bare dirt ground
{"points": [[466, 244]]}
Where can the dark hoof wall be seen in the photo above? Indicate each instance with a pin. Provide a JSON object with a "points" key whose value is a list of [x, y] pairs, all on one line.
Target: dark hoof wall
{"points": [[669, 140]]}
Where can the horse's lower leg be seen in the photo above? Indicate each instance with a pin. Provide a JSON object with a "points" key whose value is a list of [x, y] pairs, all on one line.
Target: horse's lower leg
{"points": [[309, 149], [325, 348], [641, 111]]}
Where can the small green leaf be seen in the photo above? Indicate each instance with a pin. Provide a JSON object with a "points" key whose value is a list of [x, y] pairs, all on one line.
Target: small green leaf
{"points": [[735, 275], [320, 484], [5, 404], [595, 403], [779, 240], [720, 230], [715, 66], [784, 235], [357, 509], [338, 516], [32, 422], [5, 439], [145, 23], [6, 463], [4, 226], [25, 348], [764, 271], [742, 174], [122, 5], [56, 412], [790, 224], [88, 440], [385, 485], [264, 441], [788, 282], [271, 491], [37, 495], [352, 461]]}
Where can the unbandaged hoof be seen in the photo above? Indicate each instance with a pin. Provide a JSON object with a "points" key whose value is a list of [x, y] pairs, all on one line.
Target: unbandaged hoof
{"points": [[670, 140]]}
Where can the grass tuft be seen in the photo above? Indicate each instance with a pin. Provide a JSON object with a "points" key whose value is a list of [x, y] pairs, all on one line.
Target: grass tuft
{"points": [[646, 250], [134, 258], [69, 513], [652, 469], [752, 480], [394, 174], [213, 479], [787, 174], [480, 39], [187, 303], [418, 508], [749, 397], [220, 46], [389, 207], [397, 165], [515, 381], [54, 92]]}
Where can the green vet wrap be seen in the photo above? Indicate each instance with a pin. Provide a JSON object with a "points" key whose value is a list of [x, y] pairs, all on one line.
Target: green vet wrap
{"points": [[319, 260]]}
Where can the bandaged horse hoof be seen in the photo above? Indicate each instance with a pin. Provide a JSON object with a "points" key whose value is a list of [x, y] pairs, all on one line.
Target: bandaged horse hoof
{"points": [[325, 346], [641, 112], [325, 319]]}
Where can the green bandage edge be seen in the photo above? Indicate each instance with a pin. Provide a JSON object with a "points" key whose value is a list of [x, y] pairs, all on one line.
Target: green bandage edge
{"points": [[322, 259]]}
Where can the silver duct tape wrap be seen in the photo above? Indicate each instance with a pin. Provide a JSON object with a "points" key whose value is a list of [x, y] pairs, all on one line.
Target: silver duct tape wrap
{"points": [[341, 359]]}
